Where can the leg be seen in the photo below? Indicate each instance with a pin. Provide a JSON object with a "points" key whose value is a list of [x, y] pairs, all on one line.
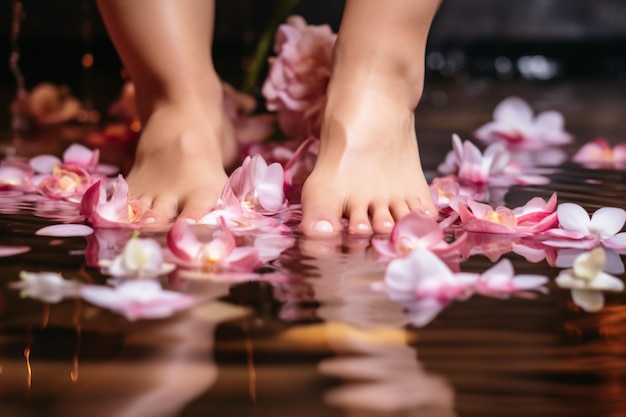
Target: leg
{"points": [[166, 47], [368, 168]]}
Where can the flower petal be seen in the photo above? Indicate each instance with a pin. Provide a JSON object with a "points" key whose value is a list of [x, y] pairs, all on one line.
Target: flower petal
{"points": [[65, 230]]}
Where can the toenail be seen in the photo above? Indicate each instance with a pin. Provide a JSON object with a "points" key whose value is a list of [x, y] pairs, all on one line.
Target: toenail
{"points": [[363, 227], [150, 220], [189, 220], [387, 224], [322, 226]]}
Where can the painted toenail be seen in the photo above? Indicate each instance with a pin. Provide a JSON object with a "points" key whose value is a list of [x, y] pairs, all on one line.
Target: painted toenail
{"points": [[323, 226], [387, 224], [189, 220], [363, 227], [150, 220]]}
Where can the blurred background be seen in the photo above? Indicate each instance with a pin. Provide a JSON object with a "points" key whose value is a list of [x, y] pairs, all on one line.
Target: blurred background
{"points": [[541, 41]]}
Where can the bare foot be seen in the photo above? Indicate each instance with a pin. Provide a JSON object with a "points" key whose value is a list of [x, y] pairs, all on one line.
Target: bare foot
{"points": [[368, 169], [178, 168]]}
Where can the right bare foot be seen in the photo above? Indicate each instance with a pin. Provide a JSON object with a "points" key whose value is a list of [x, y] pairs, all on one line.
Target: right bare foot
{"points": [[178, 168]]}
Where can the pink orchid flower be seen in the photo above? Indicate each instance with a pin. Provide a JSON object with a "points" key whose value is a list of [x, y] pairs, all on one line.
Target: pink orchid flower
{"points": [[534, 217], [587, 280], [16, 175], [75, 154], [416, 229], [500, 281], [139, 299], [65, 182], [475, 168], [140, 258], [49, 287], [298, 76], [599, 154], [258, 186], [117, 211], [423, 274], [515, 125], [578, 230], [219, 254], [47, 105]]}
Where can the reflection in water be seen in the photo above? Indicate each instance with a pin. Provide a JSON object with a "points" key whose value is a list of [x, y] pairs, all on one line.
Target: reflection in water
{"points": [[381, 374]]}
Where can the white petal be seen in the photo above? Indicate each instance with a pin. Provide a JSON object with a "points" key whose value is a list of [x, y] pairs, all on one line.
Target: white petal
{"points": [[590, 301], [607, 221], [573, 217]]}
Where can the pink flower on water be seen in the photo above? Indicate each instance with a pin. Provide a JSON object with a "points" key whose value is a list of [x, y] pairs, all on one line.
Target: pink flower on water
{"points": [[66, 182], [475, 168], [422, 274], [218, 254], [75, 154], [515, 125], [534, 217], [298, 76], [258, 186], [578, 230], [140, 258], [140, 299], [117, 211], [599, 154], [16, 174], [415, 230], [500, 281]]}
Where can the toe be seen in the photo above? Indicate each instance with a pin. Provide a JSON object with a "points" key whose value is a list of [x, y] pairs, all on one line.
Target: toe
{"points": [[359, 222], [164, 209], [382, 220], [399, 209], [196, 206], [319, 219]]}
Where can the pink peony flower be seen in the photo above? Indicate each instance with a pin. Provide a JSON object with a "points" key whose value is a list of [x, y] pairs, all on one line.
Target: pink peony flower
{"points": [[219, 254], [141, 299], [599, 154], [415, 230], [298, 76], [515, 126], [578, 230], [117, 211]]}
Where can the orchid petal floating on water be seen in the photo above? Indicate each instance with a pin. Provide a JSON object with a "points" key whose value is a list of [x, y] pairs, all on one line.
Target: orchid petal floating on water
{"points": [[12, 250], [65, 230], [600, 154], [141, 299]]}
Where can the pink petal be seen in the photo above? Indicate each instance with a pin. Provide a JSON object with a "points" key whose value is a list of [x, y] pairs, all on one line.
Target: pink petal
{"points": [[607, 221], [43, 164], [65, 230], [182, 241], [79, 155], [270, 191], [573, 217], [513, 110], [13, 250]]}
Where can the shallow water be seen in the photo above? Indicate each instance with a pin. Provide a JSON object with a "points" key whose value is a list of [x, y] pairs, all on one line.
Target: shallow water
{"points": [[322, 342]]}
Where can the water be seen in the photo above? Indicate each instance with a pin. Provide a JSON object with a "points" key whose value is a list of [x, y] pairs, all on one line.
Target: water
{"points": [[323, 343]]}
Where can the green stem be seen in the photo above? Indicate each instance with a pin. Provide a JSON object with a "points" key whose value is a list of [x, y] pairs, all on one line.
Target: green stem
{"points": [[283, 8]]}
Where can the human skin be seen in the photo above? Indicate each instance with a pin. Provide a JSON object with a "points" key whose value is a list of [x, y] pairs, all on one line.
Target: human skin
{"points": [[368, 169]]}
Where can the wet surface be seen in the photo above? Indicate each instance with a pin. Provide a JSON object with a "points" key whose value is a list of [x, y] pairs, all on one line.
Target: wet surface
{"points": [[322, 342]]}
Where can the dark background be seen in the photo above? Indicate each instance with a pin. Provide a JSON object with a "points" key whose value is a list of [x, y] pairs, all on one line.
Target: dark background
{"points": [[533, 39]]}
